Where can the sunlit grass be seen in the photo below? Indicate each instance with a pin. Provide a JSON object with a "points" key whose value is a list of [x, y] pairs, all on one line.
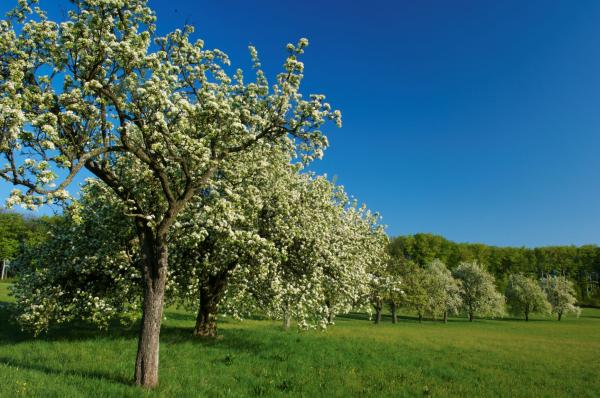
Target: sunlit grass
{"points": [[354, 358]]}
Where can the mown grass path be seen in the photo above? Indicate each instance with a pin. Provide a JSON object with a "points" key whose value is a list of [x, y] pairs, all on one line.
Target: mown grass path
{"points": [[505, 358]]}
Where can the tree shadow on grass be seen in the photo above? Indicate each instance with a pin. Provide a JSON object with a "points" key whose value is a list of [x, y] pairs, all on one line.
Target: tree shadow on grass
{"points": [[518, 319], [11, 333], [38, 367], [386, 318]]}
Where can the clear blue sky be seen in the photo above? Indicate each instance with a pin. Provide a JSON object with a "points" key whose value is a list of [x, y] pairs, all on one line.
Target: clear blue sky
{"points": [[476, 120]]}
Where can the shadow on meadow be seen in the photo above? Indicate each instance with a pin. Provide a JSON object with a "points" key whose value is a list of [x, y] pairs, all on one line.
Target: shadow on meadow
{"points": [[88, 374], [230, 340], [386, 318]]}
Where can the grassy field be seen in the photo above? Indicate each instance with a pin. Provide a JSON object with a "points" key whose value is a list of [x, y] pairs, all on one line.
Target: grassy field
{"points": [[355, 358]]}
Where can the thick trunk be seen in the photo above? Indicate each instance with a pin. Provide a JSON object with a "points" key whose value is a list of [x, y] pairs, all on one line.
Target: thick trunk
{"points": [[394, 315], [330, 318], [445, 316], [470, 317], [206, 320], [154, 280], [211, 291], [559, 315]]}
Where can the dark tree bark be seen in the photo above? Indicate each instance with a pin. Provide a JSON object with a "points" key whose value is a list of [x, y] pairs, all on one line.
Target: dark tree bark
{"points": [[420, 317], [526, 316], [559, 316], [470, 317], [378, 307], [394, 314], [445, 316], [211, 292], [206, 320]]}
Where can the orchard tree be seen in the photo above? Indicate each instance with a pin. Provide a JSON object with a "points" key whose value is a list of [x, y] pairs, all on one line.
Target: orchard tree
{"points": [[443, 289], [525, 296], [561, 295], [479, 293], [87, 268], [382, 288], [415, 285], [101, 91]]}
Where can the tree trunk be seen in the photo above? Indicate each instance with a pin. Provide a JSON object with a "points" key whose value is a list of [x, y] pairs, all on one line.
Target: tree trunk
{"points": [[378, 312], [206, 320], [287, 321], [559, 315], [211, 291], [154, 280], [445, 316], [470, 317], [394, 315], [526, 316], [330, 314], [420, 317]]}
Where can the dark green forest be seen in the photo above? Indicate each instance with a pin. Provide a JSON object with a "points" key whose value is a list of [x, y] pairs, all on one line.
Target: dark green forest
{"points": [[579, 263], [18, 231]]}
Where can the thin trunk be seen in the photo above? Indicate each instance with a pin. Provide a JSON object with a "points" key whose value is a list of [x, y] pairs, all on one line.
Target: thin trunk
{"points": [[330, 314], [445, 316], [154, 280], [287, 321], [470, 317], [394, 315], [526, 316], [559, 315], [420, 317]]}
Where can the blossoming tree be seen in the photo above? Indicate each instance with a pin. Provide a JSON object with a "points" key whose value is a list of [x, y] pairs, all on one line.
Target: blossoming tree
{"points": [[444, 290], [561, 295], [479, 294], [101, 91], [525, 296]]}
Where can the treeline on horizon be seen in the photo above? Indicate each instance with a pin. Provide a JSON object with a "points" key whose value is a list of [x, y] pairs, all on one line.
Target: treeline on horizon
{"points": [[581, 264]]}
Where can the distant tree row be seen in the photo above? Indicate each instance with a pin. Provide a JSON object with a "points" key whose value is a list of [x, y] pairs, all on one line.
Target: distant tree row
{"points": [[579, 264], [434, 291]]}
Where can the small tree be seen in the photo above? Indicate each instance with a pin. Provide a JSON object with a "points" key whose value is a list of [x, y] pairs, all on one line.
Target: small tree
{"points": [[525, 296], [479, 293], [415, 284], [561, 295], [443, 289]]}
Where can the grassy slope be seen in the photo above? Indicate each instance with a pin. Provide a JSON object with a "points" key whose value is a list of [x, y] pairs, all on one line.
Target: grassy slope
{"points": [[355, 358]]}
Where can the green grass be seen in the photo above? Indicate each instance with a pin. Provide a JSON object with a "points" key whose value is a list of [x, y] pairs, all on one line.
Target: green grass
{"points": [[355, 358]]}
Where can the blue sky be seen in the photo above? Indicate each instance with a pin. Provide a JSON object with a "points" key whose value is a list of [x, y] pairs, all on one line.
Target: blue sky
{"points": [[476, 120]]}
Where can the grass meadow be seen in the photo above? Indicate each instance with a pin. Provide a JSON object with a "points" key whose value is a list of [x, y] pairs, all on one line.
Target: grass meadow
{"points": [[499, 358]]}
